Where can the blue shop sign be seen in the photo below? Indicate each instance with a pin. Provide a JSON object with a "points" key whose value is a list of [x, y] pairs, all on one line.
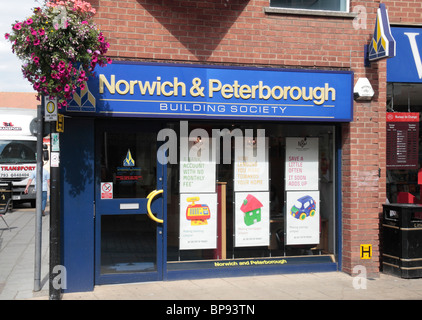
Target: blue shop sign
{"points": [[406, 66], [205, 92]]}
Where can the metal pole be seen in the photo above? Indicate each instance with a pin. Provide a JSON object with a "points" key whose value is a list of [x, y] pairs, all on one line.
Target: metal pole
{"points": [[38, 211], [55, 261]]}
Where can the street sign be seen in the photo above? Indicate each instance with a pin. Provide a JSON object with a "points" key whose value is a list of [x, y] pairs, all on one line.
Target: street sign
{"points": [[50, 108], [366, 251]]}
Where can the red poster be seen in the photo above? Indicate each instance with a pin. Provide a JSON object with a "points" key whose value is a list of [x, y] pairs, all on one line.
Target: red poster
{"points": [[402, 140]]}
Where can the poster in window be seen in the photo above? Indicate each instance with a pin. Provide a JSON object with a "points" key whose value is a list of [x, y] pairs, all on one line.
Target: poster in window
{"points": [[198, 221], [251, 165], [197, 167], [302, 168], [252, 219], [302, 217]]}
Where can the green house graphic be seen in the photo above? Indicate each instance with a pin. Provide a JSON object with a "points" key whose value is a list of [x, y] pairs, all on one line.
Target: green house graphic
{"points": [[251, 208]]}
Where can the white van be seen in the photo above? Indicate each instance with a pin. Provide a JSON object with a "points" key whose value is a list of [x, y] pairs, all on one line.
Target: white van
{"points": [[18, 145]]}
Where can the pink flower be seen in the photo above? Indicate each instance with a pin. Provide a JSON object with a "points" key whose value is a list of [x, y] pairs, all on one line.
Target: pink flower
{"points": [[41, 32], [28, 39], [66, 88], [29, 21], [33, 32], [6, 36], [84, 22], [17, 26], [82, 86], [36, 60], [36, 42]]}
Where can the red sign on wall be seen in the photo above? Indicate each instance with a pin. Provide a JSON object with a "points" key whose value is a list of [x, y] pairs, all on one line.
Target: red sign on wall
{"points": [[402, 140]]}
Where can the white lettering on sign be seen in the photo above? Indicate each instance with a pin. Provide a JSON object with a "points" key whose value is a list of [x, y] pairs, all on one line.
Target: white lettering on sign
{"points": [[415, 51]]}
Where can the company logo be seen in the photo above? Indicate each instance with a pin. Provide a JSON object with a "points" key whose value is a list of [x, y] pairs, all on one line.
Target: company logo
{"points": [[9, 126], [382, 44], [83, 99], [128, 162], [302, 143]]}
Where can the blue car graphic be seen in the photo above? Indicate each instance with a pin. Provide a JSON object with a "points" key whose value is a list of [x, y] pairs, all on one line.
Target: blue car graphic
{"points": [[304, 207]]}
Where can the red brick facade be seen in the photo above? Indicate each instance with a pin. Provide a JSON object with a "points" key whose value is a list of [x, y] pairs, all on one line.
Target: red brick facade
{"points": [[240, 32]]}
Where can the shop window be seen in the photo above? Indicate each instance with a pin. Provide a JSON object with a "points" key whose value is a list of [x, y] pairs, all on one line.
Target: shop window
{"points": [[330, 5], [254, 201]]}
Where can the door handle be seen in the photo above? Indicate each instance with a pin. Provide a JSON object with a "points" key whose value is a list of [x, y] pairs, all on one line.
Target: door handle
{"points": [[150, 197]]}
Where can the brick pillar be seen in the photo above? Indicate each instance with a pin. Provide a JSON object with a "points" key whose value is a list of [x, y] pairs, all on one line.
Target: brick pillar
{"points": [[364, 170]]}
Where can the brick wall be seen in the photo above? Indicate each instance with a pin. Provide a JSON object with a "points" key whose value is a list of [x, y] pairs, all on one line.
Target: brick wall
{"points": [[404, 11], [239, 32], [223, 31]]}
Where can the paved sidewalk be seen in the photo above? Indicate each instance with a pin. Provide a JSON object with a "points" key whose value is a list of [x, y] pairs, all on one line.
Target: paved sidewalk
{"points": [[310, 286], [17, 278], [17, 255]]}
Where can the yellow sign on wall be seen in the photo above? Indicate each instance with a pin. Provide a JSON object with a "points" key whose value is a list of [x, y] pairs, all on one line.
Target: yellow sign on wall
{"points": [[366, 251], [60, 123]]}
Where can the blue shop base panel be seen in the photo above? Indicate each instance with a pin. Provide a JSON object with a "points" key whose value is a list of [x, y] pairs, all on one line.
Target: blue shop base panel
{"points": [[250, 267]]}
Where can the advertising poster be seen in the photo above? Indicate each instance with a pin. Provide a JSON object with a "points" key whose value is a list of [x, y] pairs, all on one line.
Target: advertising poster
{"points": [[302, 164], [198, 221], [252, 219], [197, 173], [302, 217], [402, 140], [251, 170]]}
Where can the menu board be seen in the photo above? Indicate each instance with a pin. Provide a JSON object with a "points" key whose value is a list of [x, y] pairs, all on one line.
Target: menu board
{"points": [[402, 140]]}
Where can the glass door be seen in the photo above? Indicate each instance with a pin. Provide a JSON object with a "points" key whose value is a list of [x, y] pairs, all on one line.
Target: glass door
{"points": [[130, 211]]}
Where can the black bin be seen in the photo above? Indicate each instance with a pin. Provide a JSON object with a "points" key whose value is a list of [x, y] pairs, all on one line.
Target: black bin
{"points": [[402, 240]]}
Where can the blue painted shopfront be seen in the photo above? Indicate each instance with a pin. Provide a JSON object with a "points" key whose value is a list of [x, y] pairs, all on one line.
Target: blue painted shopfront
{"points": [[110, 144]]}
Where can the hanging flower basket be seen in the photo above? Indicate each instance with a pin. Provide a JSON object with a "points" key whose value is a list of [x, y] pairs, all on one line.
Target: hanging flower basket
{"points": [[60, 47]]}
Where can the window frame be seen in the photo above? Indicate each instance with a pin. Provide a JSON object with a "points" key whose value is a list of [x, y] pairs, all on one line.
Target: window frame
{"points": [[347, 5]]}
